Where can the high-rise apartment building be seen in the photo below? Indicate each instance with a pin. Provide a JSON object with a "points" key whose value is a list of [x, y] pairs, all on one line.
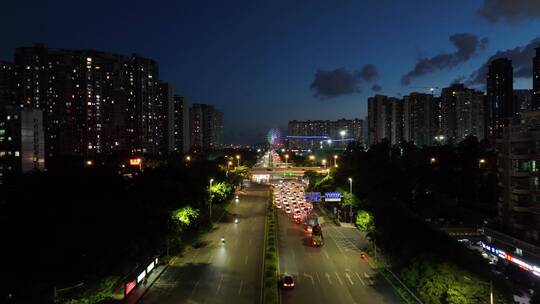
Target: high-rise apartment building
{"points": [[385, 119], [522, 101], [6, 83], [93, 102], [518, 161], [21, 140], [206, 127], [462, 113], [312, 134], [419, 121], [500, 97], [166, 97], [536, 81], [181, 131]]}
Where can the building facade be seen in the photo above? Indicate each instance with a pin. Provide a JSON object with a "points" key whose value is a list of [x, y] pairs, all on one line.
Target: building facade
{"points": [[22, 146], [93, 102], [519, 161], [313, 134], [206, 127], [462, 113], [523, 101], [6, 83], [385, 119], [536, 81], [499, 99], [181, 129], [166, 96], [419, 121]]}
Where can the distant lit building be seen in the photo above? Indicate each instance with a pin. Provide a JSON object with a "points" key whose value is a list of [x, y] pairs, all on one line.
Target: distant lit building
{"points": [[419, 118], [166, 97], [181, 131], [500, 97], [523, 101], [385, 119], [206, 127], [462, 113], [311, 134], [93, 102], [519, 161], [536, 80], [6, 83], [22, 147]]}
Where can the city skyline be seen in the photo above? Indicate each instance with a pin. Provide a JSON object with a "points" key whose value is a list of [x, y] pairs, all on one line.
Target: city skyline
{"points": [[204, 53]]}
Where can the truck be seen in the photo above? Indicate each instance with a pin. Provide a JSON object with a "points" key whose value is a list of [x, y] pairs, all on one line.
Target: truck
{"points": [[317, 238]]}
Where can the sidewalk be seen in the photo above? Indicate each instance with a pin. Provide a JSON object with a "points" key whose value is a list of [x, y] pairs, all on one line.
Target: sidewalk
{"points": [[140, 290]]}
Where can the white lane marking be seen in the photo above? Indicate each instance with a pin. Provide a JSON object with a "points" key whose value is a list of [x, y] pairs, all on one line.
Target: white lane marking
{"points": [[246, 259], [338, 278], [240, 289], [328, 277], [360, 278], [194, 288], [318, 279], [326, 254], [219, 285], [311, 277], [349, 277]]}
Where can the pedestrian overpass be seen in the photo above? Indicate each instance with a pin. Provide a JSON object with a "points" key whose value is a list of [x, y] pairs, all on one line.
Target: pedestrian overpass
{"points": [[260, 174]]}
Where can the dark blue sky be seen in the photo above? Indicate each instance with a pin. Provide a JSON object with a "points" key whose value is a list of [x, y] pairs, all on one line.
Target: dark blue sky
{"points": [[256, 60]]}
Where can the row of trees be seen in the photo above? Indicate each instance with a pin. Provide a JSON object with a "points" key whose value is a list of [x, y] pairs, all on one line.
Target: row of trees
{"points": [[89, 224], [397, 187]]}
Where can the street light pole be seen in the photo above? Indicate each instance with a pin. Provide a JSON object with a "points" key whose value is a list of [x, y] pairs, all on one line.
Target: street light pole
{"points": [[335, 160], [210, 201], [350, 191], [238, 159]]}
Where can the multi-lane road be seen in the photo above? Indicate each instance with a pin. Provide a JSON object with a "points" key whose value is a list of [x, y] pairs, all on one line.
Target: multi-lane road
{"points": [[212, 272], [333, 273]]}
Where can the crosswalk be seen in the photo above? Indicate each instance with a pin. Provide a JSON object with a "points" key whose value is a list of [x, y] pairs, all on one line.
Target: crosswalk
{"points": [[318, 279]]}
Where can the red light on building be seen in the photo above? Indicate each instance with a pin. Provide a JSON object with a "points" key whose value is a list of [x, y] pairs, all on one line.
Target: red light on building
{"points": [[129, 286], [135, 161]]}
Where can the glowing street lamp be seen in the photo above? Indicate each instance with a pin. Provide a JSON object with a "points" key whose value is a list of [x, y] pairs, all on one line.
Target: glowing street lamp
{"points": [[89, 162], [350, 191], [286, 160], [238, 159], [210, 201], [188, 158], [324, 162], [335, 160], [432, 160], [312, 157]]}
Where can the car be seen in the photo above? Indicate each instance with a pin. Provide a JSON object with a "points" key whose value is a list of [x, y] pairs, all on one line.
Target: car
{"points": [[278, 206], [305, 209], [369, 279], [286, 281], [287, 210], [298, 220]]}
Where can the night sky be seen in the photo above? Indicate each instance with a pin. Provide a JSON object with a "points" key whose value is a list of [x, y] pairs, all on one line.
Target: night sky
{"points": [[266, 62]]}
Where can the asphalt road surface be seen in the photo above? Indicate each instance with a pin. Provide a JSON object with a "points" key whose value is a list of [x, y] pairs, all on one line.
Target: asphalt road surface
{"points": [[212, 272], [333, 273]]}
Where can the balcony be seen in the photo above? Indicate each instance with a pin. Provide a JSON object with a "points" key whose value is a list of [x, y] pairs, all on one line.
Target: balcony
{"points": [[518, 190]]}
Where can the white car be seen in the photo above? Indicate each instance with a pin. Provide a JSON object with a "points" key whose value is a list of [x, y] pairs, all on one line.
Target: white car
{"points": [[287, 210]]}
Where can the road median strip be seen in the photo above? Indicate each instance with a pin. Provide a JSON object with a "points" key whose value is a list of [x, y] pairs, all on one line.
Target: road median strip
{"points": [[270, 266]]}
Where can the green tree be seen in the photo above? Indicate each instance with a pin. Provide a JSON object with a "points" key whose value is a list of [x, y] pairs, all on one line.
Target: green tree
{"points": [[364, 221], [185, 216]]}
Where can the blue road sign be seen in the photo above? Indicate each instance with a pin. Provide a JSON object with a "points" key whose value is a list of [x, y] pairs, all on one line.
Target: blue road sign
{"points": [[313, 197], [332, 197]]}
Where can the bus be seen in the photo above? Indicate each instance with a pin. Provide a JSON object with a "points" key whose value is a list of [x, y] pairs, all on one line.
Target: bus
{"points": [[317, 238]]}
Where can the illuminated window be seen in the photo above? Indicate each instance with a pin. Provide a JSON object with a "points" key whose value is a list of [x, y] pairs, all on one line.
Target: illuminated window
{"points": [[17, 154]]}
